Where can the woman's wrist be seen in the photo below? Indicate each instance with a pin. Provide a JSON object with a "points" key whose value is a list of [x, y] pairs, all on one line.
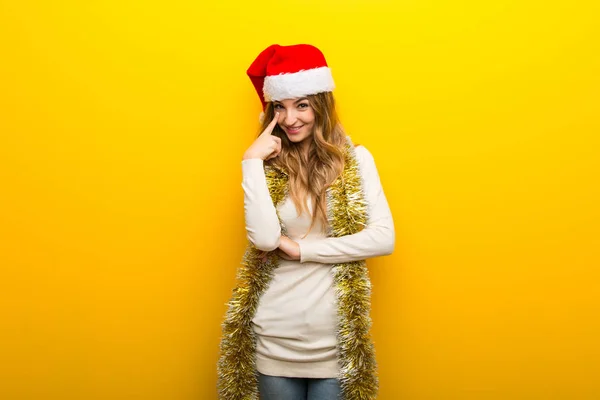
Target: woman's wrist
{"points": [[248, 156]]}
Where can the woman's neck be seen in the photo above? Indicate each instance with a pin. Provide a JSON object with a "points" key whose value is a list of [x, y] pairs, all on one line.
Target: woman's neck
{"points": [[305, 147]]}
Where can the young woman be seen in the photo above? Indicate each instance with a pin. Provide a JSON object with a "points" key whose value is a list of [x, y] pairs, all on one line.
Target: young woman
{"points": [[298, 323]]}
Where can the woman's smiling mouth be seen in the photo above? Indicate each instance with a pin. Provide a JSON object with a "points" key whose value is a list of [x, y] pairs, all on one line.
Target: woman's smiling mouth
{"points": [[295, 129]]}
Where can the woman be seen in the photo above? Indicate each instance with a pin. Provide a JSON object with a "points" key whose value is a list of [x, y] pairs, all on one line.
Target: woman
{"points": [[298, 323]]}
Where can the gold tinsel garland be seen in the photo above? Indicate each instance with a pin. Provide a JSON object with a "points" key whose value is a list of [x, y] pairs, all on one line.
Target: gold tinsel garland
{"points": [[347, 214]]}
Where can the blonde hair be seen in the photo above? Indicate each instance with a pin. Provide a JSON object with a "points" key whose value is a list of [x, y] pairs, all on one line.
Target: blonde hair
{"points": [[312, 173]]}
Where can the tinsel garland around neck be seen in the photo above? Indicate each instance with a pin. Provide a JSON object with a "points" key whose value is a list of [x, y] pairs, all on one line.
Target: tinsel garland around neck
{"points": [[347, 214]]}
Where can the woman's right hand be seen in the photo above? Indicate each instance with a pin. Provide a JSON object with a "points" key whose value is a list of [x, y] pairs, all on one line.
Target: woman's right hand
{"points": [[266, 146]]}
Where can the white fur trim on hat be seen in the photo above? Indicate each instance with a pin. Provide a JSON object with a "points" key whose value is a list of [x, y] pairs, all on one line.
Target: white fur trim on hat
{"points": [[298, 84]]}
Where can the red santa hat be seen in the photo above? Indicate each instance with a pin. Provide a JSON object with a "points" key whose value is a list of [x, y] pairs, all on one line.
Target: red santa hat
{"points": [[285, 72]]}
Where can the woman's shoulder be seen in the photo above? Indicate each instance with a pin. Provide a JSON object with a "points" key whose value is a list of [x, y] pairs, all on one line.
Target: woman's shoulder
{"points": [[363, 155]]}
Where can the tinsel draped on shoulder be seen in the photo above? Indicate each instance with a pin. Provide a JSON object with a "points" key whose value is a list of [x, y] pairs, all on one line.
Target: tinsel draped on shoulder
{"points": [[346, 214]]}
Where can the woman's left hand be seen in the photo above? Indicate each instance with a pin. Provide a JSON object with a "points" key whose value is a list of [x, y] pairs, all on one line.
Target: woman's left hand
{"points": [[288, 249]]}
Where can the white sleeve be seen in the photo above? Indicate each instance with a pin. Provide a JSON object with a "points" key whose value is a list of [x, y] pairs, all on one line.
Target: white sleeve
{"points": [[262, 224], [376, 239]]}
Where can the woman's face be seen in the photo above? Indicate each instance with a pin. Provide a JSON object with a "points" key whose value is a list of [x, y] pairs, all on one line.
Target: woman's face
{"points": [[296, 118]]}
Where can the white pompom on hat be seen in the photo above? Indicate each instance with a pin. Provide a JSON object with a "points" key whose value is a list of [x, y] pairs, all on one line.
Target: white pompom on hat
{"points": [[286, 72]]}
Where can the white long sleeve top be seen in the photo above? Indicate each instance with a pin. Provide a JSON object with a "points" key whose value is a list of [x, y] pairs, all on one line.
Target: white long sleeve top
{"points": [[295, 322]]}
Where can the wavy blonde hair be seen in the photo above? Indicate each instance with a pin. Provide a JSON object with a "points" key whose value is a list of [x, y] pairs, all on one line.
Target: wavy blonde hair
{"points": [[312, 173]]}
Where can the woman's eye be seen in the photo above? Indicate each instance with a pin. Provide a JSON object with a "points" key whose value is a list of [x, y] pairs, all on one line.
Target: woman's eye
{"points": [[277, 106], [302, 105]]}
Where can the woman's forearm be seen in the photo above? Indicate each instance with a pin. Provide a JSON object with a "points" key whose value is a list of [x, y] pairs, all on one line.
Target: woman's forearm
{"points": [[262, 224]]}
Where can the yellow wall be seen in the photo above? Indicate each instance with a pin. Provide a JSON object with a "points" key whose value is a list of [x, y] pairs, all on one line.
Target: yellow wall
{"points": [[122, 126]]}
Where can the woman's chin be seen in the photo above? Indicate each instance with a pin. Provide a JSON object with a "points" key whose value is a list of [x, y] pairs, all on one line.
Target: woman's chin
{"points": [[295, 138]]}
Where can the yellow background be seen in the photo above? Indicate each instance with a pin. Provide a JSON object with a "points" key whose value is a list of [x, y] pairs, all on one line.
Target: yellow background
{"points": [[122, 126]]}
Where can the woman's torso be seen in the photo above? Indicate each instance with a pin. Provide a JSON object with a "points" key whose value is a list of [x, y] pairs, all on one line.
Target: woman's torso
{"points": [[295, 321]]}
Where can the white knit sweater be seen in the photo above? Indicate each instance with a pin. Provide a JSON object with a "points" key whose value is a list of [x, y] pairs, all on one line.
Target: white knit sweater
{"points": [[296, 318]]}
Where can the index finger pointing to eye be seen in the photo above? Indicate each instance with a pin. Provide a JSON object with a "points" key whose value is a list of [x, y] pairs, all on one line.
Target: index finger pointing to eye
{"points": [[271, 126]]}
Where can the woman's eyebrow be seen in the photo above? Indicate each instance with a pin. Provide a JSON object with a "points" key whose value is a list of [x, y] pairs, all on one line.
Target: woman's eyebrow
{"points": [[299, 100]]}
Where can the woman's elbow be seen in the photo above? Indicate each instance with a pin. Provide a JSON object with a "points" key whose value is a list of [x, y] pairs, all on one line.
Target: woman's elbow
{"points": [[388, 247], [388, 242], [265, 243]]}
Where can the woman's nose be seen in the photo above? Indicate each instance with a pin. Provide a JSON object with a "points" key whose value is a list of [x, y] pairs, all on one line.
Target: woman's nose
{"points": [[290, 118]]}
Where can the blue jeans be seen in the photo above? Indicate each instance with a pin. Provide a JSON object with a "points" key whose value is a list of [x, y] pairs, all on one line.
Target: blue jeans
{"points": [[281, 388]]}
